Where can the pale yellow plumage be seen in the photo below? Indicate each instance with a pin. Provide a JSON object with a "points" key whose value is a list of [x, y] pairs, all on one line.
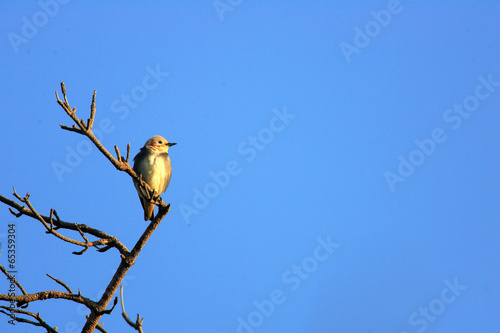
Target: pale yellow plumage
{"points": [[153, 163]]}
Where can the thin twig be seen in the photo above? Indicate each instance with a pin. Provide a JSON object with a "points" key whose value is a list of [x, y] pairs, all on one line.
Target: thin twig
{"points": [[100, 328], [72, 129], [90, 121], [61, 283], [138, 323], [112, 308], [118, 156], [51, 220], [40, 323], [13, 279], [14, 213]]}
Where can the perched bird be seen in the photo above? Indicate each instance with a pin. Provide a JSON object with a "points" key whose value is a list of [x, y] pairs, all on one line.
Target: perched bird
{"points": [[153, 163]]}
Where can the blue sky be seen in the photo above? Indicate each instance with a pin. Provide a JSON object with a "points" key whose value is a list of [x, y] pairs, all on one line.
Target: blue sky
{"points": [[336, 167]]}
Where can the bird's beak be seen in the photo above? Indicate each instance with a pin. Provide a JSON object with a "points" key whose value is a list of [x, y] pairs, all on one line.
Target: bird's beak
{"points": [[170, 144]]}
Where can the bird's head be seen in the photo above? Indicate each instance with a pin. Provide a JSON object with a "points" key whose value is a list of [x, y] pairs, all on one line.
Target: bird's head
{"points": [[158, 144]]}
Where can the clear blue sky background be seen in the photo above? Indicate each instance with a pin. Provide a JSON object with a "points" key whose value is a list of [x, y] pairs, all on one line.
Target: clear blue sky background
{"points": [[418, 253]]}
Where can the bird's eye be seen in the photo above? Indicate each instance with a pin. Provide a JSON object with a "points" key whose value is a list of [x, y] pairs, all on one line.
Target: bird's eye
{"points": [[160, 142]]}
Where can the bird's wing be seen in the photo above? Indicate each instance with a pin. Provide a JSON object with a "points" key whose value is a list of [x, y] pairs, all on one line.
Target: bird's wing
{"points": [[168, 172], [146, 205], [141, 155]]}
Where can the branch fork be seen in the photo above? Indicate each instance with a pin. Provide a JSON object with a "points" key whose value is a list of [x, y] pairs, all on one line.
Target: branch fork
{"points": [[104, 242]]}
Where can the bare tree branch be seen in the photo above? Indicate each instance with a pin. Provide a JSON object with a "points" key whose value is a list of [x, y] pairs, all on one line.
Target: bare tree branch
{"points": [[100, 328], [138, 323], [49, 294], [118, 156], [122, 165], [128, 152], [125, 265], [83, 129], [40, 322], [13, 279], [111, 241], [51, 230], [97, 309], [90, 121], [61, 283]]}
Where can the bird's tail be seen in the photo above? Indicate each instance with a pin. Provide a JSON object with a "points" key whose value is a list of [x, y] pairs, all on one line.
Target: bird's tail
{"points": [[149, 210]]}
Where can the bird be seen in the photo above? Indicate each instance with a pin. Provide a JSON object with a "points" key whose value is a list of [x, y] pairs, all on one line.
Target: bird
{"points": [[153, 163]]}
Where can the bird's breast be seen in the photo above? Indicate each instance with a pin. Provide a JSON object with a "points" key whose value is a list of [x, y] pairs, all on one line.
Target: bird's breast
{"points": [[156, 170]]}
